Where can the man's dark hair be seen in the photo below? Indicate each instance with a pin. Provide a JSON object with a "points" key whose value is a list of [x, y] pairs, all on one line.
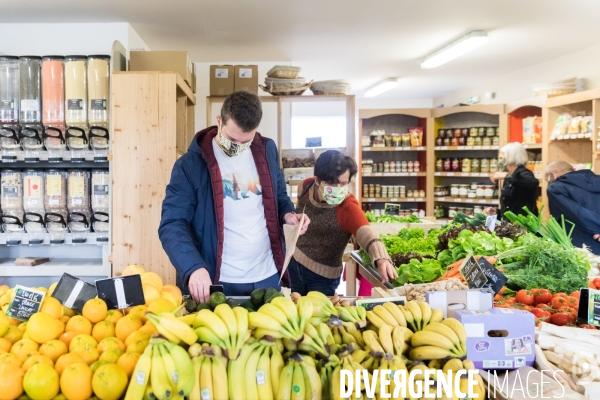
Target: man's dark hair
{"points": [[244, 109], [331, 164]]}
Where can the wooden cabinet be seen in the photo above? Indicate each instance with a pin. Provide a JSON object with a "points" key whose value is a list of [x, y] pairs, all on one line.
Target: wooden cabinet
{"points": [[153, 121]]}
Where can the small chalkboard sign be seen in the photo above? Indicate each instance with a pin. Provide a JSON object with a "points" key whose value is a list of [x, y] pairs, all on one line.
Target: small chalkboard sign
{"points": [[589, 307], [121, 292], [473, 273], [496, 279], [392, 209], [26, 302], [73, 292]]}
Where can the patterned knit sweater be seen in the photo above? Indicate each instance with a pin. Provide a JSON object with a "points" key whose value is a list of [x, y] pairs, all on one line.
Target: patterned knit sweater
{"points": [[321, 248]]}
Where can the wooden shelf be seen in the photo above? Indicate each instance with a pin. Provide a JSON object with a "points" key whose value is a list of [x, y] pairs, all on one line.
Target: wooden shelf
{"points": [[494, 109], [463, 174], [466, 148], [417, 148], [56, 267], [572, 136], [303, 98], [393, 200], [393, 174], [465, 200], [532, 146]]}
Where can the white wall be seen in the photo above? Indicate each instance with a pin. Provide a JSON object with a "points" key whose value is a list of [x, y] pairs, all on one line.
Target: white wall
{"points": [[517, 85]]}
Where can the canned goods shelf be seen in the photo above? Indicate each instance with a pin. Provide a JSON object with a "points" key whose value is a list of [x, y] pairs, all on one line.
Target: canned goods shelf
{"points": [[462, 148], [465, 200], [393, 200], [413, 148], [393, 174], [463, 174]]}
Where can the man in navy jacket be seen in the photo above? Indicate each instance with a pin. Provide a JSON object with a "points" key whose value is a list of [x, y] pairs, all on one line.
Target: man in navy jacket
{"points": [[576, 195], [225, 206]]}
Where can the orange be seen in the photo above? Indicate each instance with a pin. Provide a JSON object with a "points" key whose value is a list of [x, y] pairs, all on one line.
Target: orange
{"points": [[170, 297], [31, 361], [138, 346], [133, 270], [64, 319], [68, 312], [135, 336], [14, 334], [94, 310], [149, 328], [79, 324], [52, 307], [109, 382], [111, 356], [65, 360], [9, 358], [126, 326], [139, 312], [4, 324], [128, 361], [11, 384], [175, 291], [113, 316], [43, 327], [22, 326], [98, 364], [160, 306], [51, 288], [110, 343], [154, 279], [76, 382], [67, 337], [41, 382], [54, 349], [151, 293], [103, 330], [25, 348], [5, 345], [88, 353], [82, 340], [14, 322]]}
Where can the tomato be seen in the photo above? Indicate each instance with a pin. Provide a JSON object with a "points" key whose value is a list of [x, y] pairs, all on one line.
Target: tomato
{"points": [[575, 294], [591, 285], [596, 282], [558, 302], [525, 297], [573, 302], [570, 310], [541, 295], [560, 319], [587, 326], [542, 306], [560, 294], [539, 313]]}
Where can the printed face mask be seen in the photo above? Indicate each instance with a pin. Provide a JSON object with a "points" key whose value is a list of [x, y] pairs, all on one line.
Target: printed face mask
{"points": [[334, 195], [230, 148], [502, 164]]}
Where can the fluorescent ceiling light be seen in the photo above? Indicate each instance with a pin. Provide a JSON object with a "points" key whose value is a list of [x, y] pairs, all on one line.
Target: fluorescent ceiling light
{"points": [[381, 87], [465, 44]]}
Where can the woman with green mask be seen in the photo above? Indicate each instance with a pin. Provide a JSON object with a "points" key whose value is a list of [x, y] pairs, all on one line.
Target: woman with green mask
{"points": [[335, 217], [520, 188]]}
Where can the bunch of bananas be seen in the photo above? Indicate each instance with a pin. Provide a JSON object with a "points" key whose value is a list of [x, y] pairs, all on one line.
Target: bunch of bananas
{"points": [[390, 344], [299, 380], [439, 340], [347, 333], [210, 371], [355, 315], [225, 327], [163, 371], [455, 365], [415, 315], [317, 340], [322, 307], [175, 330], [281, 318]]}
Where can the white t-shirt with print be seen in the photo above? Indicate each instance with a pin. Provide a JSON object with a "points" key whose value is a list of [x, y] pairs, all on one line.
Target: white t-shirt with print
{"points": [[247, 255]]}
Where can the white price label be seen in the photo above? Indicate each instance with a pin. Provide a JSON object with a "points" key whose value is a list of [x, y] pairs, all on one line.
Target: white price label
{"points": [[222, 73], [464, 174], [388, 174], [403, 174], [366, 149], [394, 199], [580, 136], [485, 147], [482, 201], [245, 72], [413, 174], [437, 174], [469, 200], [367, 174], [419, 199], [450, 174], [444, 148], [260, 377], [377, 174], [461, 147], [420, 148], [476, 147], [458, 200], [442, 199], [370, 199], [399, 148]]}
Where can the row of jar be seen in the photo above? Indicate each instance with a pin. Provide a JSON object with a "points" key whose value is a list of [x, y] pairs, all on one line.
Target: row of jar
{"points": [[466, 191], [55, 89], [18, 226], [75, 190], [34, 138], [485, 165], [379, 138], [402, 213], [385, 191], [450, 212], [483, 131], [469, 141], [368, 166]]}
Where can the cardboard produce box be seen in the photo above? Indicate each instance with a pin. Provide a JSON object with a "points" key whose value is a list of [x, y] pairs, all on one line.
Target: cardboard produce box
{"points": [[222, 80], [176, 61], [499, 338], [246, 78], [455, 300]]}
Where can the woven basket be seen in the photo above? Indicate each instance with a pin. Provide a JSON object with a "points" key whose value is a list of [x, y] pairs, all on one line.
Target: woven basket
{"points": [[278, 84], [284, 71], [282, 91], [336, 86]]}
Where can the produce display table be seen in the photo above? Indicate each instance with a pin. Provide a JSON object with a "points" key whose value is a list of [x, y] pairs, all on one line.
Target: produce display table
{"points": [[368, 272]]}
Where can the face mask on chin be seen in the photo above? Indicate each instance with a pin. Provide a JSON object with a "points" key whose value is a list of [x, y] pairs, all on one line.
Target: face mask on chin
{"points": [[230, 148]]}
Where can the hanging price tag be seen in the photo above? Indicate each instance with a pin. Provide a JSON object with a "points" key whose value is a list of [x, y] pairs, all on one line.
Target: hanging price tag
{"points": [[121, 292], [495, 279], [26, 302], [73, 292]]}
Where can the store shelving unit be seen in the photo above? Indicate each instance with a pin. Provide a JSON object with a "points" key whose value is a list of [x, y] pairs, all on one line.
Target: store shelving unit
{"points": [[464, 117], [397, 121]]}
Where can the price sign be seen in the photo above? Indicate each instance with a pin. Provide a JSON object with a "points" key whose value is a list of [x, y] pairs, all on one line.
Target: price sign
{"points": [[496, 279], [450, 174], [473, 273], [121, 292], [437, 174], [73, 292], [26, 302]]}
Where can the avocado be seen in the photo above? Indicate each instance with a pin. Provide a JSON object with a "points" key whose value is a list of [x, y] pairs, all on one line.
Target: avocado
{"points": [[203, 306], [232, 303], [190, 305], [217, 298], [248, 305], [257, 297], [270, 293], [277, 294]]}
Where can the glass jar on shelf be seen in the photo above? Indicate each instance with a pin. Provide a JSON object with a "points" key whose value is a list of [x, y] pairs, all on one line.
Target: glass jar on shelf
{"points": [[32, 142], [77, 142], [54, 140], [475, 165]]}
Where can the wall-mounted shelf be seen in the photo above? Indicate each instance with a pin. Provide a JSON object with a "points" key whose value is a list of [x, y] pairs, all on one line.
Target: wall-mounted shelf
{"points": [[465, 200], [394, 199], [56, 267], [414, 148], [393, 174], [465, 148], [463, 174]]}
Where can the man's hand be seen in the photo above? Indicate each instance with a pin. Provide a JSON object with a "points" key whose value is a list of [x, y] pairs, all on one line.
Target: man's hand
{"points": [[497, 176], [294, 219], [199, 285], [386, 270], [490, 211], [597, 237]]}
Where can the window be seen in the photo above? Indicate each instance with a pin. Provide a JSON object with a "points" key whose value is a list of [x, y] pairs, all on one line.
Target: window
{"points": [[329, 132]]}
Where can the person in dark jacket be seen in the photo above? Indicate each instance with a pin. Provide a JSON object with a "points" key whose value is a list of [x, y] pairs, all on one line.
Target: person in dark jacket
{"points": [[520, 188], [225, 206], [576, 195]]}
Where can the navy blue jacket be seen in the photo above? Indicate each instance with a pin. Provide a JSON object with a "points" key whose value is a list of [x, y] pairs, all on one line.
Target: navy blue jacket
{"points": [[576, 195], [192, 223]]}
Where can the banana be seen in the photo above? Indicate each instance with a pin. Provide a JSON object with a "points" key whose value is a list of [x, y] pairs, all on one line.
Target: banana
{"points": [[453, 365], [398, 316], [410, 321], [314, 386], [353, 330], [345, 314], [298, 384], [289, 308], [446, 331], [375, 319], [437, 315], [195, 350], [362, 312], [335, 383], [312, 333], [325, 334], [276, 368], [426, 312], [195, 393], [359, 355], [263, 375], [226, 314], [427, 338], [279, 316], [346, 337], [251, 388], [161, 385], [468, 364], [164, 331], [140, 377], [385, 315], [305, 311], [185, 369], [398, 341], [385, 338], [429, 353], [324, 301], [435, 364], [458, 328], [187, 319], [210, 320], [237, 369], [206, 379], [265, 321], [207, 335], [260, 333], [177, 327], [286, 380], [219, 376], [415, 310], [148, 395], [337, 337], [170, 367], [371, 340], [241, 320]]}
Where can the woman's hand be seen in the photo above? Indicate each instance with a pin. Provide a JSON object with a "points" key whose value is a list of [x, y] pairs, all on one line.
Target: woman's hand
{"points": [[497, 176], [386, 270], [294, 219]]}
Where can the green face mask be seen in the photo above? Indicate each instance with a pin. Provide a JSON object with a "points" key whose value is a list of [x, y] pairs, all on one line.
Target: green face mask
{"points": [[502, 164], [334, 195]]}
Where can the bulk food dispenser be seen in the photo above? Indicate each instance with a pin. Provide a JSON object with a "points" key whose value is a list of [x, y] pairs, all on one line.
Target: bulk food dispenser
{"points": [[11, 193], [78, 204], [33, 205], [55, 205]]}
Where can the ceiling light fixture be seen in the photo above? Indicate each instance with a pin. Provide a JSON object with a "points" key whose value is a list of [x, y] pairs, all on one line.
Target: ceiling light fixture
{"points": [[381, 87], [465, 44]]}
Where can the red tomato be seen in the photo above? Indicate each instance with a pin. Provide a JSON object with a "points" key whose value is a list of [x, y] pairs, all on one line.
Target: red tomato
{"points": [[573, 302], [570, 310], [560, 319], [539, 313], [542, 306], [541, 295], [559, 302], [560, 294], [525, 297], [575, 294], [591, 285], [596, 282], [587, 326]]}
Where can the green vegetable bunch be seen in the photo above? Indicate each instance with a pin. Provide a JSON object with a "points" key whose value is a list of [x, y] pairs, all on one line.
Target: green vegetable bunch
{"points": [[386, 219], [407, 240], [427, 270], [478, 220]]}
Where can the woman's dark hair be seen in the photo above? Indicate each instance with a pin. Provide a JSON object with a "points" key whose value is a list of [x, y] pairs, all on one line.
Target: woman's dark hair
{"points": [[244, 108], [331, 164]]}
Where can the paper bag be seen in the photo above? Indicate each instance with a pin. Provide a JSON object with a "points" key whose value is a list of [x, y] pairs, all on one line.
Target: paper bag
{"points": [[291, 234]]}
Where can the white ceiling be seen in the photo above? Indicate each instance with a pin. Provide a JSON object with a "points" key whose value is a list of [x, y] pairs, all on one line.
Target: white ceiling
{"points": [[360, 40]]}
